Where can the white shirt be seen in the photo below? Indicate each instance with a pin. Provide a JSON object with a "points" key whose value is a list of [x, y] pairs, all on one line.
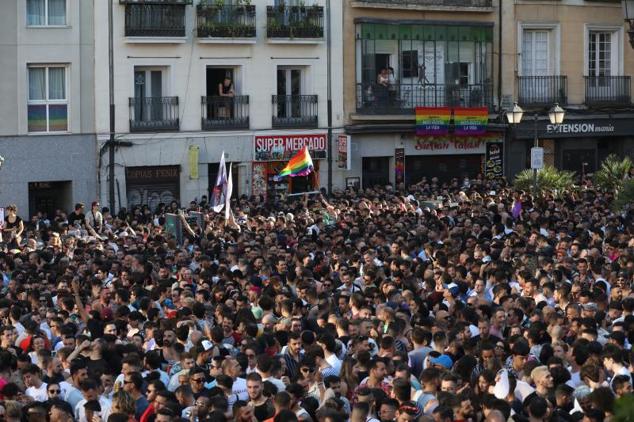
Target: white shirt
{"points": [[80, 411], [38, 394], [334, 363], [278, 383], [240, 389]]}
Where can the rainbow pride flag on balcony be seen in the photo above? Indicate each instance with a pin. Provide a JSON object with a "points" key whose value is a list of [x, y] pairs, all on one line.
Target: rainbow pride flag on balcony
{"points": [[469, 121], [432, 120]]}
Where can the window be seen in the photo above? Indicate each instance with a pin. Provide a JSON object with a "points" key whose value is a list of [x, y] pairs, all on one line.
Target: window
{"points": [[536, 52], [148, 93], [48, 99], [600, 53], [409, 60], [46, 12]]}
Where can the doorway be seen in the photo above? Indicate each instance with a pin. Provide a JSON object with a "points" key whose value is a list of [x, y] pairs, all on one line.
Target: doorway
{"points": [[375, 171], [47, 197], [215, 76], [579, 160]]}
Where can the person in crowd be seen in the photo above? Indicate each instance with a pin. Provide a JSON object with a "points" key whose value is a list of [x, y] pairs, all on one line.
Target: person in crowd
{"points": [[465, 300]]}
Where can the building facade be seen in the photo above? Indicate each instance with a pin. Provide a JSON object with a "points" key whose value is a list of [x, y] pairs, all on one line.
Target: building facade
{"points": [[574, 53], [47, 135], [400, 55], [194, 79]]}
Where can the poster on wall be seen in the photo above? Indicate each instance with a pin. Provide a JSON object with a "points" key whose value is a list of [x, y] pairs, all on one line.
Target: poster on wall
{"points": [[494, 160], [432, 121], [258, 179], [399, 166], [344, 156], [470, 121], [152, 185]]}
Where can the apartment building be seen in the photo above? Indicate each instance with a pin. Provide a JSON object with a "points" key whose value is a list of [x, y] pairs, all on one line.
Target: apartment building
{"points": [[195, 78], [46, 103], [574, 53], [404, 54]]}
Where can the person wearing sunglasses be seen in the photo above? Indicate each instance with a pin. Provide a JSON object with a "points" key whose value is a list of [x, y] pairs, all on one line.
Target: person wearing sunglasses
{"points": [[54, 391], [197, 380]]}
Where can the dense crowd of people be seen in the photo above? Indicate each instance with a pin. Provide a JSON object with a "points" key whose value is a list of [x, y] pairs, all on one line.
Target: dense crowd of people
{"points": [[457, 301]]}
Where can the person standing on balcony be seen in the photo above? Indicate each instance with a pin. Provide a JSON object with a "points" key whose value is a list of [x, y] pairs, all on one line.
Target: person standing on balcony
{"points": [[225, 90], [382, 88], [392, 88]]}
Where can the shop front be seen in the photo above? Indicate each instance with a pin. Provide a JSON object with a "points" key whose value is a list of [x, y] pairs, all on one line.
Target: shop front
{"points": [[578, 144], [271, 154], [403, 157], [152, 185]]}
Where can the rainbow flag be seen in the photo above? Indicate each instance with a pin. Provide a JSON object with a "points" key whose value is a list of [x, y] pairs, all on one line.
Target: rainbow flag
{"points": [[470, 121], [432, 120], [299, 165]]}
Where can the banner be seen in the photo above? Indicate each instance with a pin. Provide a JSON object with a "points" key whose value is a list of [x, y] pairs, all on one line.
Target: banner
{"points": [[470, 121], [432, 120], [194, 152], [174, 226], [399, 166], [283, 147], [494, 160], [259, 179], [344, 156]]}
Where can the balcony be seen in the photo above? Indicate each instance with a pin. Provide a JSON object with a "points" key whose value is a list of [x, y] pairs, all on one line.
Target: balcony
{"points": [[403, 99], [294, 111], [542, 90], [225, 113], [294, 22], [225, 21], [151, 114], [608, 91], [155, 18], [440, 5]]}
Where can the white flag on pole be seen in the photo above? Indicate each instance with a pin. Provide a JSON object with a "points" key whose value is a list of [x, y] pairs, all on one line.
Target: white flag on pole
{"points": [[220, 188], [228, 192]]}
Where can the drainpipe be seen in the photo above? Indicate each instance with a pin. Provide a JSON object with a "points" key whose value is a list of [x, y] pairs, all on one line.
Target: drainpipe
{"points": [[500, 56], [329, 93]]}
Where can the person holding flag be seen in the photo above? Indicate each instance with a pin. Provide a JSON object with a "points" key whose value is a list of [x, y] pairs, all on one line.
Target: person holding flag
{"points": [[219, 193], [299, 165]]}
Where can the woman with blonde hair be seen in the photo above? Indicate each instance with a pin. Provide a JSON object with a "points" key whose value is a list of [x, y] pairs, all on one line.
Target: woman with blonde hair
{"points": [[122, 402]]}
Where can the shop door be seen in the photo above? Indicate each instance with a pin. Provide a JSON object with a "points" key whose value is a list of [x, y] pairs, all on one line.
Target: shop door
{"points": [[444, 167], [574, 159], [375, 171], [50, 196]]}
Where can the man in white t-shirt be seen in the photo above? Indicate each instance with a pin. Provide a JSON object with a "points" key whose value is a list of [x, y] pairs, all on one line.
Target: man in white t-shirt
{"points": [[36, 388]]}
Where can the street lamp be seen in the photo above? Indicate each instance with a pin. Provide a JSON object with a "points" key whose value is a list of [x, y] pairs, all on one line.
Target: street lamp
{"points": [[628, 12], [556, 116]]}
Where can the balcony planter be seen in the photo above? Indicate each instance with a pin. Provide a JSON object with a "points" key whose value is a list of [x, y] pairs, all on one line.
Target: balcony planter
{"points": [[226, 21]]}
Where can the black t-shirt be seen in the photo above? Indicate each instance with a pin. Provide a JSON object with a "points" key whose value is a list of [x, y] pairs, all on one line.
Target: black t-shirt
{"points": [[264, 411], [74, 216]]}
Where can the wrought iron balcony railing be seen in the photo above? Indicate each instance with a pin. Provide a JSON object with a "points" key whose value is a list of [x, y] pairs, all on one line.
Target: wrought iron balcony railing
{"points": [[149, 114], [225, 21], [295, 21], [295, 111], [608, 90], [225, 113], [373, 98], [155, 19], [542, 90]]}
